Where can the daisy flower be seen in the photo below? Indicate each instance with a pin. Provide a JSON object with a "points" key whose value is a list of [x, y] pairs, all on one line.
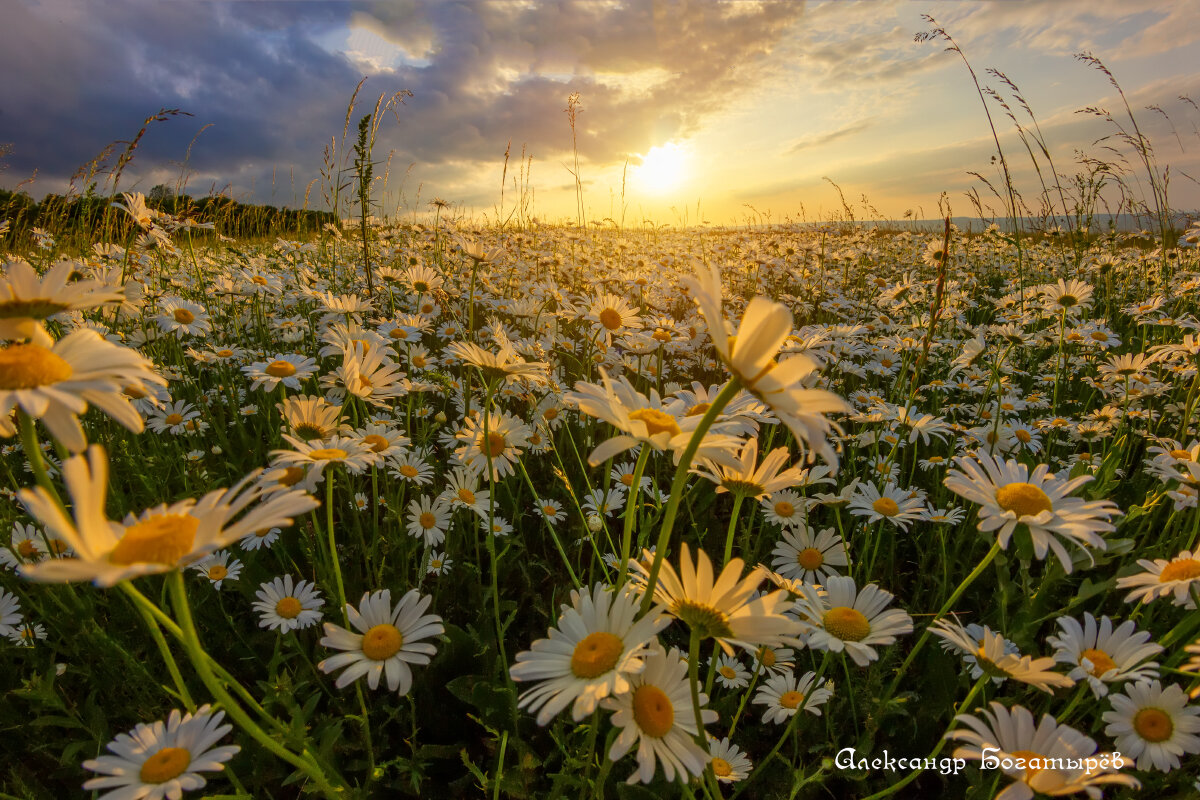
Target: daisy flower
{"points": [[172, 418], [387, 641], [55, 384], [162, 760], [773, 660], [1153, 724], [657, 715], [284, 605], [506, 364], [29, 545], [612, 315], [263, 537], [551, 510], [784, 508], [894, 504], [1009, 495], [807, 558], [217, 568], [10, 612], [997, 657], [428, 519], [1046, 759], [1103, 655], [286, 368], [318, 454], [730, 672], [25, 634], [851, 620], [411, 468], [784, 695], [312, 417], [437, 563], [593, 651], [725, 608], [729, 764], [462, 491], [495, 445], [1162, 578], [27, 299], [748, 478], [183, 317], [161, 539]]}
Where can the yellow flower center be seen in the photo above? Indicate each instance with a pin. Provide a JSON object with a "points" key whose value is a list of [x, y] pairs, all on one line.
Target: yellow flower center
{"points": [[698, 409], [409, 471], [427, 519], [173, 419], [784, 509], [1099, 336], [1153, 724], [610, 318], [28, 366], [847, 624], [466, 495], [376, 442], [224, 353], [1023, 499], [288, 608], [728, 672], [291, 476], [656, 421], [596, 654], [165, 765], [652, 711], [886, 506], [382, 642], [627, 479], [791, 699], [161, 539], [217, 573], [280, 369], [309, 431], [1029, 757], [1101, 662], [1182, 569], [549, 511], [721, 768], [183, 316], [328, 454], [494, 444], [27, 550], [550, 414], [1185, 455], [398, 333], [810, 558], [766, 657], [1023, 436], [705, 619], [258, 279]]}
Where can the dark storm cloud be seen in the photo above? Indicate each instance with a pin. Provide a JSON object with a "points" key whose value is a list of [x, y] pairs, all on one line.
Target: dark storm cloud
{"points": [[91, 74]]}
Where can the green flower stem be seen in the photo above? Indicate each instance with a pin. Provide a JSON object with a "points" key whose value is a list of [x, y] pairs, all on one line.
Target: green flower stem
{"points": [[910, 777], [333, 555], [733, 517], [305, 763], [681, 471], [631, 511], [164, 650], [694, 683], [550, 527], [33, 452], [962, 587]]}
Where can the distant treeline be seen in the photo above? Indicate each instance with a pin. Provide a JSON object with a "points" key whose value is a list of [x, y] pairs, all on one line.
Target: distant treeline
{"points": [[79, 221]]}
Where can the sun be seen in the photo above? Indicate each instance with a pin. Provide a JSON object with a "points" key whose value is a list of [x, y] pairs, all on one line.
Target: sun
{"points": [[663, 168]]}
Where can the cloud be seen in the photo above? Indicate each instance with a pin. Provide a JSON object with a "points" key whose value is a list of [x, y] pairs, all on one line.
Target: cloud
{"points": [[820, 139]]}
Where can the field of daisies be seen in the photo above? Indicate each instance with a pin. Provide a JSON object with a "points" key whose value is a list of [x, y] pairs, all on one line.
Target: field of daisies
{"points": [[543, 512]]}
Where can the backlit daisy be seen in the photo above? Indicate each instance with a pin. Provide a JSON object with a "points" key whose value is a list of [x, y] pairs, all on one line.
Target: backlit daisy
{"points": [[658, 716], [495, 443], [162, 760], [1043, 759], [898, 506], [1153, 724], [723, 608], [1105, 655], [218, 568], [729, 764], [161, 539], [388, 640], [287, 606], [595, 648], [286, 368], [1009, 495], [851, 620], [56, 384], [784, 695], [1162, 578], [993, 655], [27, 299]]}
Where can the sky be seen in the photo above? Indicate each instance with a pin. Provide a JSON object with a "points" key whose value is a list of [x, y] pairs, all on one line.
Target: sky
{"points": [[688, 112]]}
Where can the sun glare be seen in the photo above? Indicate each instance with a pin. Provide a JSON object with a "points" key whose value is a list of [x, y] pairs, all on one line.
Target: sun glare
{"points": [[663, 169]]}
